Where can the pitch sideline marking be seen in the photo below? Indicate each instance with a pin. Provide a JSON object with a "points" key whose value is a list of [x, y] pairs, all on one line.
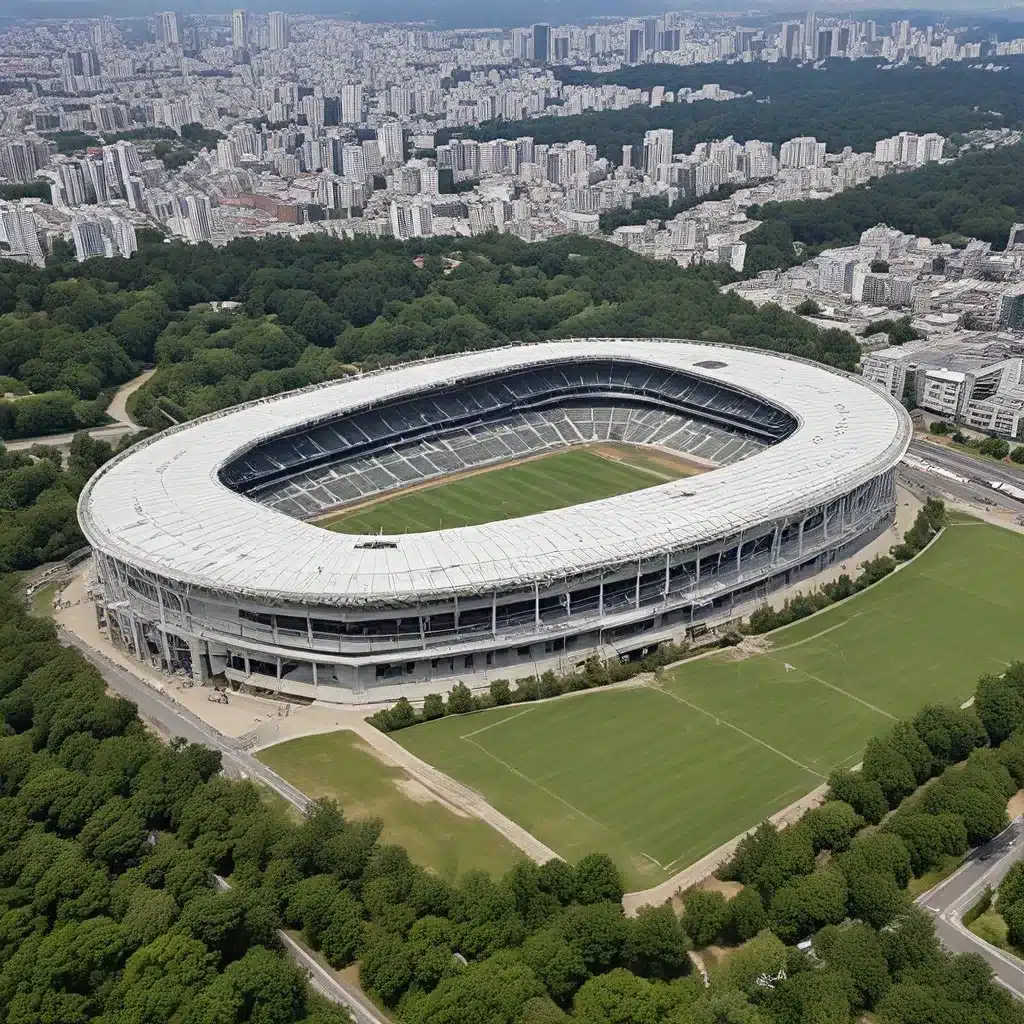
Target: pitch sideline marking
{"points": [[501, 721], [742, 732], [816, 636], [838, 689], [534, 782]]}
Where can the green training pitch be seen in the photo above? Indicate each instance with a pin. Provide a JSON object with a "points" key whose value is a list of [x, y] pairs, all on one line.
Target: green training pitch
{"points": [[506, 492], [659, 775]]}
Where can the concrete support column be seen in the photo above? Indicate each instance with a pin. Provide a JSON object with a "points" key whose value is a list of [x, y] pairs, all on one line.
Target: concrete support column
{"points": [[316, 681], [636, 594], [309, 630], [665, 592], [800, 545], [196, 654], [248, 670], [600, 597], [494, 614], [536, 604], [163, 626]]}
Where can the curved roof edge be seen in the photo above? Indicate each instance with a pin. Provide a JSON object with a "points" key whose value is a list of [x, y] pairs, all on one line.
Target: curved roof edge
{"points": [[161, 506]]}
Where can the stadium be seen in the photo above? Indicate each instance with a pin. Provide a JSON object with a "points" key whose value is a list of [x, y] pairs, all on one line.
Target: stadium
{"points": [[208, 559]]}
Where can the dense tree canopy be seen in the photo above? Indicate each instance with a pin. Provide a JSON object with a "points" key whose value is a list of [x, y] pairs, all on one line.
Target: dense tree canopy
{"points": [[788, 100]]}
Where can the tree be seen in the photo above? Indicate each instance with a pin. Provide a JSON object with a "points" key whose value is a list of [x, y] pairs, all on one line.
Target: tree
{"points": [[705, 916], [617, 997], [1013, 915], [995, 447], [385, 966], [495, 990], [864, 795], [857, 951], [1017, 455], [747, 915], [340, 940], [807, 308], [884, 764], [909, 943], [500, 692], [806, 903], [460, 700], [433, 707], [832, 826], [596, 878], [764, 955], [557, 964], [929, 838], [656, 944], [597, 932], [999, 706]]}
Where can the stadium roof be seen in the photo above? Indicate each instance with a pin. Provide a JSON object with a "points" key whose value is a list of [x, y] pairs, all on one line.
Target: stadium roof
{"points": [[161, 506]]}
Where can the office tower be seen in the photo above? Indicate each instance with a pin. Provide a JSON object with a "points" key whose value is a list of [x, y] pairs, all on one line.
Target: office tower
{"points": [[351, 104], [89, 240], [560, 45], [657, 150], [521, 39], [810, 33], [650, 26], [541, 33], [824, 46], [391, 143], [792, 40], [277, 30], [82, 64], [627, 157], [239, 29], [634, 44], [169, 31]]}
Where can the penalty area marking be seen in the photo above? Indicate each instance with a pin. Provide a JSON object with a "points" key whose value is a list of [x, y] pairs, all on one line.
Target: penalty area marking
{"points": [[533, 782], [742, 732], [501, 721]]}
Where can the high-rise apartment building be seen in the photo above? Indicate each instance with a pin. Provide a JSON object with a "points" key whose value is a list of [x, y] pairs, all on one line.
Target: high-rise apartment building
{"points": [[277, 30], [657, 150], [239, 29], [351, 104], [391, 143], [169, 30], [806, 151]]}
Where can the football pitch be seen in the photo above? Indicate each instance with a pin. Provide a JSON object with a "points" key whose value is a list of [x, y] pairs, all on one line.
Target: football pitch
{"points": [[659, 775], [507, 492]]}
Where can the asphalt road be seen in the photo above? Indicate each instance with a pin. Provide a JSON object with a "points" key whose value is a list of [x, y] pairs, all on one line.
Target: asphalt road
{"points": [[172, 719], [967, 465], [953, 897]]}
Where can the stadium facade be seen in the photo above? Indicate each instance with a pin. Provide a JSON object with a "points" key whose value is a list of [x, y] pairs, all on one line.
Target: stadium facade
{"points": [[205, 561]]}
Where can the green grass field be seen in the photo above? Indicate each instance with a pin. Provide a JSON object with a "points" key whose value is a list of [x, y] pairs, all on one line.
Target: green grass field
{"points": [[338, 765], [507, 492], [659, 777]]}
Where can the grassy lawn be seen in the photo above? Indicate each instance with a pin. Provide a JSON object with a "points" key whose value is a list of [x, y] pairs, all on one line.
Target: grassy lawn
{"points": [[338, 765], [992, 928], [42, 600], [505, 492], [659, 777]]}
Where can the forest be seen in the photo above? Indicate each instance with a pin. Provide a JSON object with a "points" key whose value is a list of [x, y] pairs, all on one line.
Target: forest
{"points": [[112, 844], [70, 333], [788, 101], [981, 195]]}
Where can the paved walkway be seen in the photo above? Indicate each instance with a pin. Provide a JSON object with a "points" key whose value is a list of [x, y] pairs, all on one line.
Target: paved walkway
{"points": [[117, 410]]}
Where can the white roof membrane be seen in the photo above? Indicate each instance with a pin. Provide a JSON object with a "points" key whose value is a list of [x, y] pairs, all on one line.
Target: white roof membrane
{"points": [[161, 506]]}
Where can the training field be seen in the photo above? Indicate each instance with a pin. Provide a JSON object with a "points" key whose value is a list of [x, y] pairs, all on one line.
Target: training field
{"points": [[659, 777], [507, 492]]}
